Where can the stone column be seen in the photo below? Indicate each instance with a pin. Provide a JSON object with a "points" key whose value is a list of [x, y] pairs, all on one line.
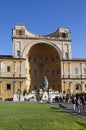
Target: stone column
{"points": [[62, 50], [81, 69], [14, 78], [68, 50], [20, 68], [64, 86], [21, 98], [14, 86], [82, 85], [70, 87], [14, 68], [69, 69], [63, 70], [21, 85], [0, 87]]}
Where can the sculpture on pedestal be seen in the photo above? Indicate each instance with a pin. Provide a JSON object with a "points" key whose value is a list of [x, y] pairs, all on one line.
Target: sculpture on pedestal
{"points": [[45, 83], [46, 89]]}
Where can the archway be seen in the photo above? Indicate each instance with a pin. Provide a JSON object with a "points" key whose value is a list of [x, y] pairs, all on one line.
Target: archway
{"points": [[43, 60]]}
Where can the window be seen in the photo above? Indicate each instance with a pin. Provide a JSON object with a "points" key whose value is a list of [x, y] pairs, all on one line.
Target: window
{"points": [[47, 73], [35, 72], [85, 85], [41, 73], [76, 76], [8, 87], [64, 35], [8, 68], [76, 70], [66, 55], [77, 87], [40, 60], [20, 32], [46, 60], [84, 76], [18, 53], [84, 70]]}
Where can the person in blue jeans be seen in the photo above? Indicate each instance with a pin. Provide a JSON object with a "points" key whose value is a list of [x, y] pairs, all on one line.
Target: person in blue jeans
{"points": [[79, 102]]}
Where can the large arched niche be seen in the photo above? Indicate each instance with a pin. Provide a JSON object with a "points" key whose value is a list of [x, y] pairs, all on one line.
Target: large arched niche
{"points": [[43, 60], [28, 47]]}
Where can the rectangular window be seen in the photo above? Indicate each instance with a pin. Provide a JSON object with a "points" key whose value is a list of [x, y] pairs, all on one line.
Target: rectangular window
{"points": [[76, 76], [84, 76], [46, 60], [64, 35], [66, 55], [40, 60], [41, 73], [47, 73], [8, 87], [20, 32], [8, 68], [84, 70], [76, 71], [35, 72], [18, 53]]}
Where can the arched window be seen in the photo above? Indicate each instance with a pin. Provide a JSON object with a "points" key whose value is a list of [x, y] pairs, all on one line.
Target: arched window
{"points": [[78, 87]]}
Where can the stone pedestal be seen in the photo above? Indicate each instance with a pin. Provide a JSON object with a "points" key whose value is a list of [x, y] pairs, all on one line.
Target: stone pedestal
{"points": [[15, 97], [45, 96], [18, 97]]}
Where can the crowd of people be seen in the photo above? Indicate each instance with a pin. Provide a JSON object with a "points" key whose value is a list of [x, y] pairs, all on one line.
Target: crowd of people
{"points": [[79, 103]]}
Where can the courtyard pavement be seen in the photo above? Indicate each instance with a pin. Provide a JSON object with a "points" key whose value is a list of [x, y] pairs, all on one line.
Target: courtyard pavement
{"points": [[68, 107]]}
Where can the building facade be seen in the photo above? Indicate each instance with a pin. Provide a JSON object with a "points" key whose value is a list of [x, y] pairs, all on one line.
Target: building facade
{"points": [[36, 56]]}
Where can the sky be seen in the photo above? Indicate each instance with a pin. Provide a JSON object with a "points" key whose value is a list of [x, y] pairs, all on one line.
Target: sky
{"points": [[44, 17]]}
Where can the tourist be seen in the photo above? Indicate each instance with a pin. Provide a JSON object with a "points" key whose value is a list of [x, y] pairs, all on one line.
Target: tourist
{"points": [[79, 101], [83, 102], [74, 103]]}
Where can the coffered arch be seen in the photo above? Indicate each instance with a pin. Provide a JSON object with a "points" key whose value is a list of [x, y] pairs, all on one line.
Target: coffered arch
{"points": [[28, 47]]}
